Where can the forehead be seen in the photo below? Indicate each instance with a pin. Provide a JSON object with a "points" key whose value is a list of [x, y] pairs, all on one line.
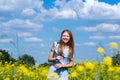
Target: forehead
{"points": [[65, 33]]}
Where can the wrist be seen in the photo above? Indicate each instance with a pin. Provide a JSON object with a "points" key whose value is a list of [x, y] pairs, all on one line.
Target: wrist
{"points": [[63, 65], [54, 59]]}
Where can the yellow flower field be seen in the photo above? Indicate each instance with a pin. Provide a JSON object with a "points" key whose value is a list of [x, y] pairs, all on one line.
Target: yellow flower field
{"points": [[85, 70], [88, 70]]}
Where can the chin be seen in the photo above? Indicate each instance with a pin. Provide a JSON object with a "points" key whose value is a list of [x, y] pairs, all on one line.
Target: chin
{"points": [[65, 42]]}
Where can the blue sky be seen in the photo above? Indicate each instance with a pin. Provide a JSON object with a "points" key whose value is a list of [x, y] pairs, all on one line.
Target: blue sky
{"points": [[31, 26]]}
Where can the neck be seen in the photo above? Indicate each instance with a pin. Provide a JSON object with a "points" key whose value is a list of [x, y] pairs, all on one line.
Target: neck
{"points": [[65, 44]]}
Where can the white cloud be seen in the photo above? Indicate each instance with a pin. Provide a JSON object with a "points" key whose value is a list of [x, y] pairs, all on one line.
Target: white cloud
{"points": [[24, 34], [33, 39], [66, 9], [114, 37], [108, 27], [9, 5], [90, 44], [19, 8], [90, 9], [20, 25], [67, 14], [103, 27], [28, 12], [96, 37], [86, 29], [93, 8], [86, 44], [46, 15], [5, 40]]}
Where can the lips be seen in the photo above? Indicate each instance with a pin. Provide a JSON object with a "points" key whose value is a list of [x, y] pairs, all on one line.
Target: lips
{"points": [[65, 39]]}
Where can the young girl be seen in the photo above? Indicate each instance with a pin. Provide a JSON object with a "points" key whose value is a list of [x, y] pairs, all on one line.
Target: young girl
{"points": [[61, 54]]}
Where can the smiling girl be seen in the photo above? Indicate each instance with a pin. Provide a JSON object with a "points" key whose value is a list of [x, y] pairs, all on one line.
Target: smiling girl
{"points": [[61, 55]]}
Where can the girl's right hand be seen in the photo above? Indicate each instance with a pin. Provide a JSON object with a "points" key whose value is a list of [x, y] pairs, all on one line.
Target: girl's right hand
{"points": [[59, 57]]}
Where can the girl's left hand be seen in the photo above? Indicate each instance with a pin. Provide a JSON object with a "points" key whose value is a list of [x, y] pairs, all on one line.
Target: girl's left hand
{"points": [[58, 65]]}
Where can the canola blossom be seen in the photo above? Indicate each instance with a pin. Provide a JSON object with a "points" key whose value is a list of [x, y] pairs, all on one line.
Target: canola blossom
{"points": [[107, 60], [80, 68], [114, 45], [74, 74], [54, 76], [101, 51], [88, 70]]}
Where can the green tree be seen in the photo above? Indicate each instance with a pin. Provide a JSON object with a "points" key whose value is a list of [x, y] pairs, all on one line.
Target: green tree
{"points": [[116, 58], [27, 59], [5, 57]]}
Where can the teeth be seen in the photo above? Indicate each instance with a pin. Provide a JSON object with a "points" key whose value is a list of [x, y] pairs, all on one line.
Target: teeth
{"points": [[65, 39]]}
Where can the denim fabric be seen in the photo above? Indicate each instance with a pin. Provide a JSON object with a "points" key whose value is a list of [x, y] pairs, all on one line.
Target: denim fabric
{"points": [[62, 72]]}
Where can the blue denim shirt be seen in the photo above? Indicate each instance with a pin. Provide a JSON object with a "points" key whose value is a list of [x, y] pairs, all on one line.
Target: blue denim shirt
{"points": [[62, 72], [65, 59]]}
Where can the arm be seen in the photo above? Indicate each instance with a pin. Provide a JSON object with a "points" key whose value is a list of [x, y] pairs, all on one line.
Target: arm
{"points": [[68, 65], [50, 57], [65, 65]]}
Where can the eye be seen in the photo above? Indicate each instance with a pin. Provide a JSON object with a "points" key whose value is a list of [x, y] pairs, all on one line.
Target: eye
{"points": [[66, 36]]}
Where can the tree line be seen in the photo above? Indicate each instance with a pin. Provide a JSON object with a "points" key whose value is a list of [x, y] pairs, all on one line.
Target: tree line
{"points": [[23, 59]]}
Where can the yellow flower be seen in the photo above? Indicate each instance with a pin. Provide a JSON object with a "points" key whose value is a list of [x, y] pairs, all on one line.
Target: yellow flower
{"points": [[89, 65], [54, 74], [80, 68], [24, 70], [107, 61], [7, 78], [74, 74], [44, 72], [114, 45], [101, 51], [110, 69]]}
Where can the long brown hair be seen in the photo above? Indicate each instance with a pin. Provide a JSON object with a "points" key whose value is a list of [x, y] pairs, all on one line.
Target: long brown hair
{"points": [[70, 44]]}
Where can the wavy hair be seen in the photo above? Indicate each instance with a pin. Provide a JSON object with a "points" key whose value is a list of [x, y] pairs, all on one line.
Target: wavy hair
{"points": [[70, 44]]}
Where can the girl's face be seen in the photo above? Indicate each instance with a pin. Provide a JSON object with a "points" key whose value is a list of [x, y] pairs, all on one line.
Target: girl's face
{"points": [[65, 37]]}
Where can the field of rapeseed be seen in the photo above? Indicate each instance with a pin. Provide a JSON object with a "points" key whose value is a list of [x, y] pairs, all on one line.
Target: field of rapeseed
{"points": [[87, 70]]}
